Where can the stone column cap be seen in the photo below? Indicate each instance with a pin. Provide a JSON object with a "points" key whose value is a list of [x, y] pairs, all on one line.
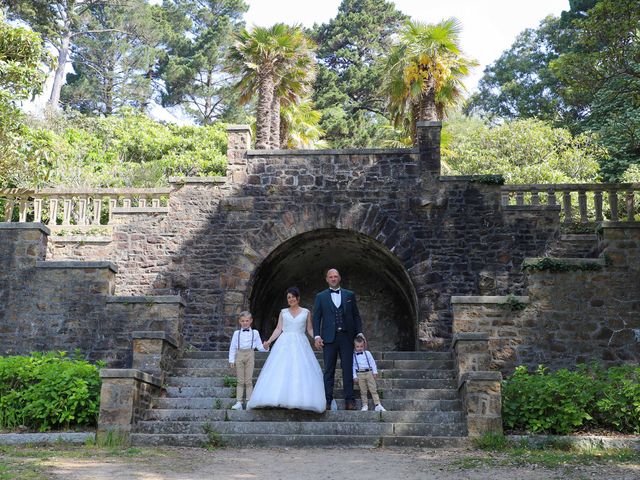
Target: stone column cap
{"points": [[469, 337], [25, 226], [76, 264], [238, 128], [620, 224], [130, 373], [428, 123], [481, 376], [154, 335], [147, 299], [488, 299]]}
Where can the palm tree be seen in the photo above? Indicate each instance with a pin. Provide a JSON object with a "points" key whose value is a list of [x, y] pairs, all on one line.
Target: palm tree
{"points": [[300, 126], [424, 72], [271, 61]]}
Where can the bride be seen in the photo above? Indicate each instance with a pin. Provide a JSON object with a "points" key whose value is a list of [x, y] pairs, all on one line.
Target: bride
{"points": [[291, 376]]}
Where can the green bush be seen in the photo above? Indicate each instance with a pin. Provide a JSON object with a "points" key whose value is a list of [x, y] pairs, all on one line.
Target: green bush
{"points": [[564, 401], [48, 390]]}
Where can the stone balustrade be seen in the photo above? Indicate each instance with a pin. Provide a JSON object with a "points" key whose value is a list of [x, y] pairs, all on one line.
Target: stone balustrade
{"points": [[79, 207], [579, 202]]}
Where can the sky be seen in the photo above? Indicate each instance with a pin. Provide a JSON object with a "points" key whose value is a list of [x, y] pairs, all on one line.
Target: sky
{"points": [[489, 27]]}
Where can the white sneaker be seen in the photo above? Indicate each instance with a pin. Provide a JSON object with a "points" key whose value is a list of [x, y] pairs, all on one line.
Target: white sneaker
{"points": [[380, 408], [364, 408], [237, 406], [334, 405]]}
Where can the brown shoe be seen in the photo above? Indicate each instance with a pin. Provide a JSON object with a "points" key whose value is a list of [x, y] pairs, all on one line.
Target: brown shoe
{"points": [[350, 406]]}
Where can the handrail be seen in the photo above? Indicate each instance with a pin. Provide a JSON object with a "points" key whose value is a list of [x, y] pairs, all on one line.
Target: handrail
{"points": [[595, 201], [81, 206]]}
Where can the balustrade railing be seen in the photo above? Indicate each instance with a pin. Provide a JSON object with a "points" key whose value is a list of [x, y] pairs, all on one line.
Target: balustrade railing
{"points": [[581, 202], [77, 207]]}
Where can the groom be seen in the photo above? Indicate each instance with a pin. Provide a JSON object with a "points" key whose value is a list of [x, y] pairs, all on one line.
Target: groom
{"points": [[336, 321]]}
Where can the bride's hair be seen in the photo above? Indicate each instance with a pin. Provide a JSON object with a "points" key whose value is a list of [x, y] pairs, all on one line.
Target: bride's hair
{"points": [[294, 291]]}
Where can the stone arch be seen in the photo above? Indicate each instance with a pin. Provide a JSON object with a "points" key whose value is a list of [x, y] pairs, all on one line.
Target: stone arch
{"points": [[386, 295]]}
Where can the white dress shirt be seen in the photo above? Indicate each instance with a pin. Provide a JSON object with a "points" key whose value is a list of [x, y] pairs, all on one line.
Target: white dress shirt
{"points": [[245, 340], [363, 362], [336, 299]]}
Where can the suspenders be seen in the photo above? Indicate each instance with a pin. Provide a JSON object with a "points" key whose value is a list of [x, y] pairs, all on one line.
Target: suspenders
{"points": [[252, 337], [355, 359]]}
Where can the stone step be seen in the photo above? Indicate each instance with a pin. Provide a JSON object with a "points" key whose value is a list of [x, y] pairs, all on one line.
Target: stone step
{"points": [[394, 373], [282, 415], [391, 404], [382, 364], [383, 383], [302, 428], [230, 392], [359, 441], [386, 355]]}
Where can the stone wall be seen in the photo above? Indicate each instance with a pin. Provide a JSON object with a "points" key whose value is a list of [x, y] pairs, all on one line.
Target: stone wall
{"points": [[403, 238], [568, 317], [68, 304]]}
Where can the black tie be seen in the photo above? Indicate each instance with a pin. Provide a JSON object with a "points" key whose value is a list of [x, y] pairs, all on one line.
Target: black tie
{"points": [[359, 353], [336, 292], [246, 330]]}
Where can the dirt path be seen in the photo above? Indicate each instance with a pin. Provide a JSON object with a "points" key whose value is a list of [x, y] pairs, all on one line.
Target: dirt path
{"points": [[318, 464]]}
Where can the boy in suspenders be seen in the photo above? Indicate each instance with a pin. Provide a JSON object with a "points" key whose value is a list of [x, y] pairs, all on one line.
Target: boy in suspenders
{"points": [[365, 372], [242, 356]]}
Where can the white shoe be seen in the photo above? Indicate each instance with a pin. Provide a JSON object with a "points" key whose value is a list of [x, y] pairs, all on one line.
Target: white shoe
{"points": [[237, 406], [364, 408], [380, 408], [334, 405]]}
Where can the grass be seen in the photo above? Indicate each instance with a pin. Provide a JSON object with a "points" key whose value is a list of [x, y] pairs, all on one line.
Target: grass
{"points": [[553, 454], [29, 462]]}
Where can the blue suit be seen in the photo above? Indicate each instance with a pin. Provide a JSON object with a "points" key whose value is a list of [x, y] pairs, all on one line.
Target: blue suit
{"points": [[327, 319]]}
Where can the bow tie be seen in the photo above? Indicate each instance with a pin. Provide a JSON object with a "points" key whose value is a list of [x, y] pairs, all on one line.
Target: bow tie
{"points": [[337, 292], [359, 353], [246, 329]]}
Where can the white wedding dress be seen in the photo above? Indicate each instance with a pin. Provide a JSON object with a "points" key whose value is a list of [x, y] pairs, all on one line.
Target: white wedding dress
{"points": [[291, 376]]}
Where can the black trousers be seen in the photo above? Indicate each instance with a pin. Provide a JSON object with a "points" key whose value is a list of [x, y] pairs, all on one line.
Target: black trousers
{"points": [[342, 346]]}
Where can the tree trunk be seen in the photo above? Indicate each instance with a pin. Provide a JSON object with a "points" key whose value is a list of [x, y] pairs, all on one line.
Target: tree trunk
{"points": [[263, 111], [274, 134], [415, 115], [284, 135], [58, 79], [208, 110], [428, 111]]}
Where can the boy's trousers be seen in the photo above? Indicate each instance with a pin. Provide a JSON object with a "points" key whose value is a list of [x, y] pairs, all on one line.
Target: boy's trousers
{"points": [[368, 383], [244, 371]]}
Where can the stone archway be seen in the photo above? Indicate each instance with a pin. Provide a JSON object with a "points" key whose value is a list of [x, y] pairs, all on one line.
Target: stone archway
{"points": [[386, 296]]}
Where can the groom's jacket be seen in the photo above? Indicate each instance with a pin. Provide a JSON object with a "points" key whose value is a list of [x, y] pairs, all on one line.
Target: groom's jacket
{"points": [[326, 317]]}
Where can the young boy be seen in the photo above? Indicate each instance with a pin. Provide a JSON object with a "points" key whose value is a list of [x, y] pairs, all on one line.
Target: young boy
{"points": [[365, 372], [242, 356]]}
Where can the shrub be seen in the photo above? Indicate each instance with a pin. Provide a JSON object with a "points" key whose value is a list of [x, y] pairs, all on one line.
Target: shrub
{"points": [[565, 401], [48, 390]]}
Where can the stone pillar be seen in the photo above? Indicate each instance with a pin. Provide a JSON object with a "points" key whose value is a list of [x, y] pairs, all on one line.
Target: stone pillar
{"points": [[482, 401], [429, 147], [125, 395], [620, 244], [479, 388], [239, 141], [154, 353], [23, 244], [471, 353]]}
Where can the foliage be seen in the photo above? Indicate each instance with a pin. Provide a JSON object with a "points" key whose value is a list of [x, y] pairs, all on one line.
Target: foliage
{"points": [[632, 174], [522, 151], [230, 381], [556, 265], [198, 37], [48, 390], [424, 71], [103, 152], [300, 126], [22, 74], [565, 401], [113, 59], [348, 85], [496, 442]]}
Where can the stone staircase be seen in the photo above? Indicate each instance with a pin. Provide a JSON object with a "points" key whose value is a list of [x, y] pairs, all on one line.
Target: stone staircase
{"points": [[417, 388]]}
